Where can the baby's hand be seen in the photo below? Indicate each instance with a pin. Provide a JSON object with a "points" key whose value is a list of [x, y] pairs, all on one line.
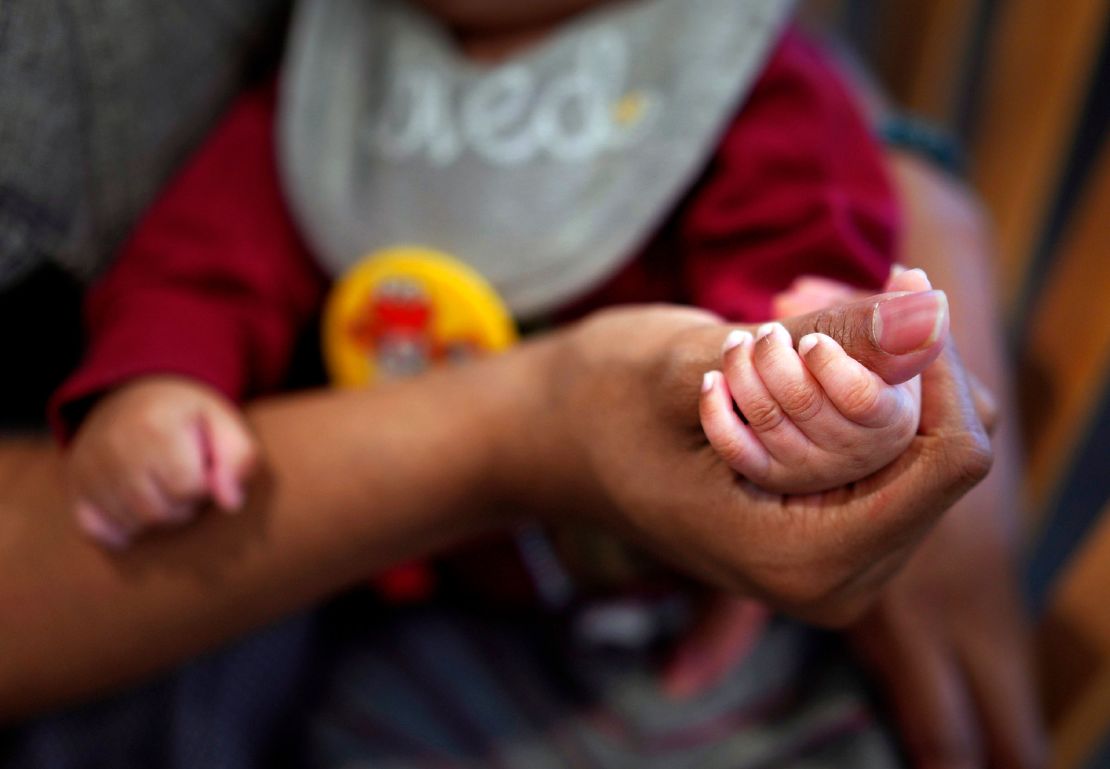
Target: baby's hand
{"points": [[819, 419], [813, 419], [151, 452]]}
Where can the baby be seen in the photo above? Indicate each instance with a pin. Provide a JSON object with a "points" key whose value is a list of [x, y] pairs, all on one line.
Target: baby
{"points": [[686, 152]]}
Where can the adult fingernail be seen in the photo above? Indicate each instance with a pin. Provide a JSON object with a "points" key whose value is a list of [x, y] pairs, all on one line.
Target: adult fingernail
{"points": [[909, 322], [807, 343], [735, 338]]}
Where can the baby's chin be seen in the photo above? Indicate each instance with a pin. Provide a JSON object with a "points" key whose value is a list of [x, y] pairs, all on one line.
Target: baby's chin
{"points": [[501, 16]]}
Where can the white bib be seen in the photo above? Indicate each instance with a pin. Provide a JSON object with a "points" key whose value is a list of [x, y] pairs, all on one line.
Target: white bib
{"points": [[545, 172]]}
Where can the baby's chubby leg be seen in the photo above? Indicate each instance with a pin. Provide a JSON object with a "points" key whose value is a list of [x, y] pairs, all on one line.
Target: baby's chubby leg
{"points": [[813, 419]]}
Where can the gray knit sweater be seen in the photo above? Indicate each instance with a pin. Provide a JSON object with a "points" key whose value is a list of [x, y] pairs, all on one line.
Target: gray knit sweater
{"points": [[98, 103]]}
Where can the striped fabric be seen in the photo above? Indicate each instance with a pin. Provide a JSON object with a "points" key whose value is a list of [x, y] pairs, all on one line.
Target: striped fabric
{"points": [[444, 688], [354, 686]]}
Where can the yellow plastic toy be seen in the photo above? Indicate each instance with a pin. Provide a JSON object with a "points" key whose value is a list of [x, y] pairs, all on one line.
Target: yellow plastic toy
{"points": [[396, 313], [405, 309]]}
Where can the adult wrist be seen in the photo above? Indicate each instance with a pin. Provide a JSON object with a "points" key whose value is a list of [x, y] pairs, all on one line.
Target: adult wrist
{"points": [[527, 455]]}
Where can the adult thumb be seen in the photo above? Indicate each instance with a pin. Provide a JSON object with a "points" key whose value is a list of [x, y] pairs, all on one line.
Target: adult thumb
{"points": [[896, 335]]}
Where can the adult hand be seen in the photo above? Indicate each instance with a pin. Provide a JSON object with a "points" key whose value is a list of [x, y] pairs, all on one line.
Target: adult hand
{"points": [[948, 643], [623, 410], [947, 640], [727, 627]]}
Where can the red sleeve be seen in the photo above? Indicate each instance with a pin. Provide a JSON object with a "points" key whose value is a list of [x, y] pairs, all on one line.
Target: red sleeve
{"points": [[215, 284], [797, 186]]}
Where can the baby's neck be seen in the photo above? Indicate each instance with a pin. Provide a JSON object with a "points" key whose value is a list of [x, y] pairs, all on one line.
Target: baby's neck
{"points": [[494, 47]]}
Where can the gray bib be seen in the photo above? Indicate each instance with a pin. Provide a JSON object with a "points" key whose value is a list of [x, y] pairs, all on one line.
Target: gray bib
{"points": [[545, 172]]}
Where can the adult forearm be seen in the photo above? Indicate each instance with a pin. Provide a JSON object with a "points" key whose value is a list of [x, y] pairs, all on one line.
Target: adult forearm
{"points": [[352, 482], [947, 234], [954, 615]]}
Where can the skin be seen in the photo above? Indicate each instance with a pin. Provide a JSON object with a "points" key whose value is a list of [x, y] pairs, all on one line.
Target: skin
{"points": [[948, 639], [150, 452], [977, 706], [814, 418], [600, 419], [954, 618], [830, 585], [489, 31]]}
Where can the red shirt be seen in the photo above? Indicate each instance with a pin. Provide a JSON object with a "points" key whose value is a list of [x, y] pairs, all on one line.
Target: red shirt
{"points": [[216, 284]]}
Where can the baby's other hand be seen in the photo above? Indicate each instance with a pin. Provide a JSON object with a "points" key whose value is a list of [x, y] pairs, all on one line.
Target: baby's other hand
{"points": [[151, 452]]}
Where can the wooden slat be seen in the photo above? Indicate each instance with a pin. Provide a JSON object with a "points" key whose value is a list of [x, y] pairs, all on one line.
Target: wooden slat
{"points": [[1073, 640], [1082, 590], [1037, 73], [922, 54], [1080, 735], [1067, 357], [916, 50], [1075, 653]]}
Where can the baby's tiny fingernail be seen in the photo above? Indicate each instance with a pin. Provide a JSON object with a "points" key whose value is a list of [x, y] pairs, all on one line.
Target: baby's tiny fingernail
{"points": [[905, 279], [735, 338], [777, 331], [101, 529], [235, 498], [807, 343], [918, 276], [708, 380]]}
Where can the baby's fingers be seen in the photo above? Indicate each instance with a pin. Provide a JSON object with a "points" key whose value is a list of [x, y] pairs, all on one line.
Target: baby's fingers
{"points": [[770, 423], [733, 440], [858, 393], [98, 508], [784, 375], [100, 527], [231, 456], [178, 469], [147, 502]]}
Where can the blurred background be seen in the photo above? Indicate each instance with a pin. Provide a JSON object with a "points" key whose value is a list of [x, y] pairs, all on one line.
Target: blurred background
{"points": [[1025, 85]]}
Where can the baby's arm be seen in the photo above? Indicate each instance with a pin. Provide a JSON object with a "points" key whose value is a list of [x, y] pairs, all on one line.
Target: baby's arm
{"points": [[813, 419], [151, 451], [215, 286]]}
